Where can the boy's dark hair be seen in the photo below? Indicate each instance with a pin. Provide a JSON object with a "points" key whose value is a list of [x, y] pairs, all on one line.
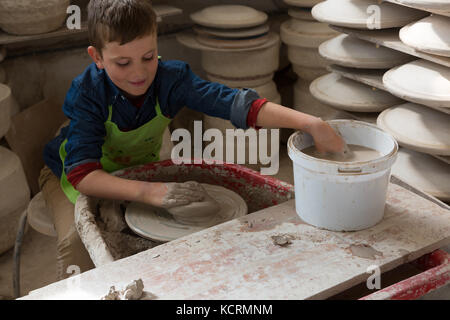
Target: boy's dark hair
{"points": [[119, 21]]}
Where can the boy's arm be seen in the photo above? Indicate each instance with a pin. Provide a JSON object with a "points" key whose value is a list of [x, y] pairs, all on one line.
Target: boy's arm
{"points": [[272, 115], [101, 184]]}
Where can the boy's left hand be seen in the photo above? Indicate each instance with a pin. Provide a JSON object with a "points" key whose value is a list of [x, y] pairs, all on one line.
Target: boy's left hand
{"points": [[326, 139]]}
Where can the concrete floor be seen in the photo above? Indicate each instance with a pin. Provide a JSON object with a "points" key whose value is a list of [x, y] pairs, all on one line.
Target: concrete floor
{"points": [[38, 259]]}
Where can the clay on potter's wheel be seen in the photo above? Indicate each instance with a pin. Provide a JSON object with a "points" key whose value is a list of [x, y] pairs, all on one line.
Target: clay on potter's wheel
{"points": [[196, 213], [158, 224]]}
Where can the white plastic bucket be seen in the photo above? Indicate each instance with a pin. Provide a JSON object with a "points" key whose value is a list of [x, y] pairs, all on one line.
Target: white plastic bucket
{"points": [[343, 196]]}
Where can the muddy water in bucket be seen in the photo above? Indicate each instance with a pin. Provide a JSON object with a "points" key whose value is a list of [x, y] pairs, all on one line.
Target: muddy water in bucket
{"points": [[349, 194]]}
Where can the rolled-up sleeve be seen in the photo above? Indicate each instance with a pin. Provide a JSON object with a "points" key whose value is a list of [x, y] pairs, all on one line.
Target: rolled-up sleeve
{"points": [[212, 98]]}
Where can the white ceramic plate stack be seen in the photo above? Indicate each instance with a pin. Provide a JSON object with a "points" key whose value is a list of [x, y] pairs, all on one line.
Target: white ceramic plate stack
{"points": [[303, 35], [238, 50], [422, 132], [25, 17], [8, 108], [236, 44]]}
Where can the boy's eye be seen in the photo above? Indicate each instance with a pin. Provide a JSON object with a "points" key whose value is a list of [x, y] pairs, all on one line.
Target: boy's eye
{"points": [[122, 64], [148, 58]]}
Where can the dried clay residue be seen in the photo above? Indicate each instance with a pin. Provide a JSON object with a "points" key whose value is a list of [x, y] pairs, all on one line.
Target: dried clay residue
{"points": [[282, 240], [121, 241], [364, 251]]}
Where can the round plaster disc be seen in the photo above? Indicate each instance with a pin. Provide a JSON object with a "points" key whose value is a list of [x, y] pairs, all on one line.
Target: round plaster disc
{"points": [[157, 224], [423, 172], [352, 52], [420, 81], [418, 128], [301, 14], [232, 43], [232, 33], [349, 95], [306, 34], [441, 7], [302, 3], [431, 35], [189, 39], [358, 14], [229, 16]]}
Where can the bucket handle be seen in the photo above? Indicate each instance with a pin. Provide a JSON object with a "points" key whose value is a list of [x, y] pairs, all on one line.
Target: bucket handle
{"points": [[350, 170]]}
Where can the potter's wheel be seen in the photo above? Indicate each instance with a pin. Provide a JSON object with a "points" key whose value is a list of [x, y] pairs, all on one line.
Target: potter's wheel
{"points": [[157, 224]]}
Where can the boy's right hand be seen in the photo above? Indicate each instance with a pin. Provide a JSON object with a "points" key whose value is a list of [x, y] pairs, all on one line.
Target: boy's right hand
{"points": [[171, 194], [326, 139]]}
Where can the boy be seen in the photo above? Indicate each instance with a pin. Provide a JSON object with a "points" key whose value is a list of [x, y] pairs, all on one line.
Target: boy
{"points": [[118, 110]]}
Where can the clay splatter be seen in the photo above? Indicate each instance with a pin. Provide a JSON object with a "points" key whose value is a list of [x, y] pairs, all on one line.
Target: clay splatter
{"points": [[364, 251]]}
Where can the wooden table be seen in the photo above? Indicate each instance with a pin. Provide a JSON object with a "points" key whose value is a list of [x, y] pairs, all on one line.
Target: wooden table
{"points": [[239, 260]]}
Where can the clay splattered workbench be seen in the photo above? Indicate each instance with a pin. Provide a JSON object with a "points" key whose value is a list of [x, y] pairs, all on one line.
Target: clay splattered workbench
{"points": [[239, 260]]}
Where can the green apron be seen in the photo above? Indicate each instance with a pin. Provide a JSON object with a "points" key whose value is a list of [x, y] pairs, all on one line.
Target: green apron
{"points": [[124, 149]]}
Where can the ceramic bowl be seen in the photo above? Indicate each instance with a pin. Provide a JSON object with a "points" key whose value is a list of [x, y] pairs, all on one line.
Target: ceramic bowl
{"points": [[430, 35], [349, 95], [229, 16], [429, 85], [307, 34], [301, 14], [418, 128], [305, 102], [25, 17], [441, 7], [423, 172], [365, 14], [352, 52], [232, 33], [244, 64], [302, 3], [215, 42]]}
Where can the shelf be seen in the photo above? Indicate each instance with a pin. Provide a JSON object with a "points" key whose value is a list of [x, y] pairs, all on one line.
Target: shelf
{"points": [[389, 38], [63, 37]]}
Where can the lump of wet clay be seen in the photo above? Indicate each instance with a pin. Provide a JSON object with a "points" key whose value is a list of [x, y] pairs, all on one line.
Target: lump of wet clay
{"points": [[133, 291], [196, 212], [282, 241]]}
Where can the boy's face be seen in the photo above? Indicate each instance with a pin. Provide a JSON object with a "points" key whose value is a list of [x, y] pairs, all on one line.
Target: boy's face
{"points": [[132, 66]]}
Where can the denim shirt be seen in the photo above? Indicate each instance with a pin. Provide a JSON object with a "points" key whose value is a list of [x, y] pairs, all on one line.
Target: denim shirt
{"points": [[175, 86]]}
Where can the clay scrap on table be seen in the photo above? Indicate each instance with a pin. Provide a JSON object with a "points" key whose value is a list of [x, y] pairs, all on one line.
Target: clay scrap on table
{"points": [[132, 291]]}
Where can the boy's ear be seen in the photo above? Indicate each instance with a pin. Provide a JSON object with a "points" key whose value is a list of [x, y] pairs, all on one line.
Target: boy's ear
{"points": [[96, 57]]}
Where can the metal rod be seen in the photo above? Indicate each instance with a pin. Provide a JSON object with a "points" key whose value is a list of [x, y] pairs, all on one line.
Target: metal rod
{"points": [[16, 256]]}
